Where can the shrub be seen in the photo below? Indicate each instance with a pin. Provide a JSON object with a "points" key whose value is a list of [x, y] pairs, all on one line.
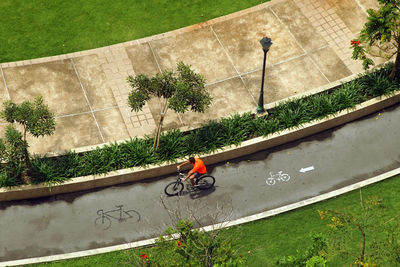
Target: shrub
{"points": [[192, 248], [12, 156]]}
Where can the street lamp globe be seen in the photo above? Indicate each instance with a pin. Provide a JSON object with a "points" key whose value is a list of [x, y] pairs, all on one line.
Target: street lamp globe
{"points": [[266, 43]]}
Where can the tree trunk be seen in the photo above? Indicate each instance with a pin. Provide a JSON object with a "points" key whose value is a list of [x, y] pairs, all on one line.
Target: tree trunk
{"points": [[396, 63], [156, 142], [363, 246], [159, 128], [28, 164]]}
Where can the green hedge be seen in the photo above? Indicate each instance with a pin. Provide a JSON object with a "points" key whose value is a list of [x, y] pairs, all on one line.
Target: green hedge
{"points": [[213, 135]]}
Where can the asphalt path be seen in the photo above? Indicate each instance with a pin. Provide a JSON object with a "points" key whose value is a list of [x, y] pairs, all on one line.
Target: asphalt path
{"points": [[86, 220]]}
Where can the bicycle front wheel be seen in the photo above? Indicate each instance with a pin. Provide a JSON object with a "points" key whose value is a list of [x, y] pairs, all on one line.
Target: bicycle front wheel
{"points": [[173, 189], [205, 182]]}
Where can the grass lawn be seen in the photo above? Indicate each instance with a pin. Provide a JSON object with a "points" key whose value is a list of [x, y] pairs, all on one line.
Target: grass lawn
{"points": [[265, 241], [39, 28]]}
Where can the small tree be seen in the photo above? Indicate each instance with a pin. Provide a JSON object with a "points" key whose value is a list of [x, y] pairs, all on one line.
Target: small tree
{"points": [[178, 91], [185, 246], [315, 255], [12, 154], [339, 221], [34, 117], [380, 36]]}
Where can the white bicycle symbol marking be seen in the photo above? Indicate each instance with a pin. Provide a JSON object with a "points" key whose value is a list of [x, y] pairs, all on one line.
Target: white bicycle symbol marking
{"points": [[280, 176]]}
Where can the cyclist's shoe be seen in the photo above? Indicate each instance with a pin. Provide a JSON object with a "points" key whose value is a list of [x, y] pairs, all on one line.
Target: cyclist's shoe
{"points": [[191, 187]]}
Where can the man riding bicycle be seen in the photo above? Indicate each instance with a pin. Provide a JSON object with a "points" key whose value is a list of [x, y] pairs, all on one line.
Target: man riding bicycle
{"points": [[198, 169]]}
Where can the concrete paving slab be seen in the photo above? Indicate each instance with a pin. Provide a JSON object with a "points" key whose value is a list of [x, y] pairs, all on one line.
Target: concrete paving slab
{"points": [[367, 4], [351, 13], [3, 127], [171, 119], [94, 82], [299, 25], [142, 58], [241, 39], [286, 79], [3, 91], [229, 97], [111, 124], [330, 64], [3, 95], [72, 131], [56, 81], [198, 48]]}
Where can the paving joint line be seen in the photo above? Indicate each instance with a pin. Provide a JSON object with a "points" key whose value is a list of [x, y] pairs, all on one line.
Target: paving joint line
{"points": [[259, 69], [159, 69], [86, 112], [87, 100], [233, 64], [297, 42], [362, 8], [5, 83], [155, 58], [276, 64]]}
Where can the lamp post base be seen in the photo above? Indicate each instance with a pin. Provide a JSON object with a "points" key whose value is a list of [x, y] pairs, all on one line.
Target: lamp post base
{"points": [[261, 111]]}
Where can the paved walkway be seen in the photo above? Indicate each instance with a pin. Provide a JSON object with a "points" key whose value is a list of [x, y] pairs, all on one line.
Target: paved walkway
{"points": [[88, 91]]}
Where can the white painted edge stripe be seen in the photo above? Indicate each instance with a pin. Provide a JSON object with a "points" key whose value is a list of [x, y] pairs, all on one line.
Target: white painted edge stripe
{"points": [[243, 220]]}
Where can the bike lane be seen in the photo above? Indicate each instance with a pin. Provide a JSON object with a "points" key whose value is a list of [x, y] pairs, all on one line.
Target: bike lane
{"points": [[318, 164]]}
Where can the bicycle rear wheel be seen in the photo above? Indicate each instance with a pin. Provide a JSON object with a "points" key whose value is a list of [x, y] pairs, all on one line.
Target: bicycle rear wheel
{"points": [[205, 182], [173, 189], [102, 222]]}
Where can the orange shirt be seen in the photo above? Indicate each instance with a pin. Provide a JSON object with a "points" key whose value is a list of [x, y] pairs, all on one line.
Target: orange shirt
{"points": [[199, 166]]}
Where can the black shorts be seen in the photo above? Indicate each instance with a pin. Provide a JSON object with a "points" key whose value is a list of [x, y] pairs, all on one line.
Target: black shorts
{"points": [[197, 175]]}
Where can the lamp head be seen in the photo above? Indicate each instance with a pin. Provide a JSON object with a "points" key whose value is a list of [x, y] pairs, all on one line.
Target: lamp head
{"points": [[266, 43]]}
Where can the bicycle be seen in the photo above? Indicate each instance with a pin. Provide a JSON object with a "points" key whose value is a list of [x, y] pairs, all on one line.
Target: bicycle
{"points": [[204, 182], [279, 176], [105, 217]]}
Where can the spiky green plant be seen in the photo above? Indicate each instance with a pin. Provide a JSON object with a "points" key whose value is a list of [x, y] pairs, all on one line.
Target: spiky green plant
{"points": [[210, 136], [347, 96], [292, 113], [171, 146], [137, 152], [320, 105], [237, 128], [264, 126], [95, 162]]}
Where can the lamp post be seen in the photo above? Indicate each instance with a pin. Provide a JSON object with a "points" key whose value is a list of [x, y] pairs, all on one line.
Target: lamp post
{"points": [[266, 44]]}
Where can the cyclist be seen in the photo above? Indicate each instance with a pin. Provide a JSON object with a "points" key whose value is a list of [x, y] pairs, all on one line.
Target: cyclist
{"points": [[198, 169]]}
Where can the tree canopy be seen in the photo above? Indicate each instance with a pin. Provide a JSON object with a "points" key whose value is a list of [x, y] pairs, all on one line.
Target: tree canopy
{"points": [[180, 91], [380, 36]]}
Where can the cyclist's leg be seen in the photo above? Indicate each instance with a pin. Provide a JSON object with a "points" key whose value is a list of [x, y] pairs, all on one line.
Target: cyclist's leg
{"points": [[194, 176]]}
